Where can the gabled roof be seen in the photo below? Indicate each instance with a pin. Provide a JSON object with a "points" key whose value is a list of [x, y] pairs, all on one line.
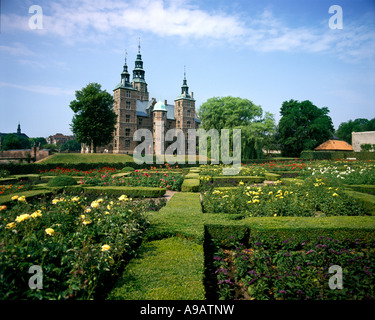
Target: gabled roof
{"points": [[334, 145]]}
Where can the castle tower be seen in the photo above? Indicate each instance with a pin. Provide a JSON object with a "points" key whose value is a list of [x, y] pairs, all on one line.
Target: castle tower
{"points": [[184, 111], [125, 106], [139, 81], [159, 114]]}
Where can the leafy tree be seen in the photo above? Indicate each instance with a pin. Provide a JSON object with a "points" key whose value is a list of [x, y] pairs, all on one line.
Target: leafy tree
{"points": [[40, 141], [303, 126], [13, 141], [237, 113], [345, 129], [94, 120], [71, 145]]}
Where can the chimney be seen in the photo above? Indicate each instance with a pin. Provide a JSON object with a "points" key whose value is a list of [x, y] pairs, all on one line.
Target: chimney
{"points": [[192, 95], [165, 102]]}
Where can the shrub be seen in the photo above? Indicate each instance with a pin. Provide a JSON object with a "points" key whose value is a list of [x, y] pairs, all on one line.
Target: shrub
{"points": [[127, 169], [62, 181], [134, 192], [272, 176], [190, 185]]}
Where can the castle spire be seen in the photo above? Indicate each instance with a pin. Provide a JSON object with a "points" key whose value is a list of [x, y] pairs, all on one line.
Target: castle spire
{"points": [[185, 88], [125, 76]]}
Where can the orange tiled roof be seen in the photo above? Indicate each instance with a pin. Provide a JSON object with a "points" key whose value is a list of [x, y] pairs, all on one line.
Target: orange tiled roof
{"points": [[335, 145]]}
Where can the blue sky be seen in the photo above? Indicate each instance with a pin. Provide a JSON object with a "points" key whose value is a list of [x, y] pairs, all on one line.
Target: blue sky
{"points": [[267, 51]]}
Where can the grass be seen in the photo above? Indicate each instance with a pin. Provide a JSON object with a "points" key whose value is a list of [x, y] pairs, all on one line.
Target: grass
{"points": [[86, 158], [28, 194], [167, 269]]}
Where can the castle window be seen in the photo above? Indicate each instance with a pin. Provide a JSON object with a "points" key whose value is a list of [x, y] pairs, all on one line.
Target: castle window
{"points": [[127, 132], [127, 143], [178, 112], [188, 124], [128, 94], [127, 104], [140, 121], [178, 123], [188, 103], [127, 118], [188, 113]]}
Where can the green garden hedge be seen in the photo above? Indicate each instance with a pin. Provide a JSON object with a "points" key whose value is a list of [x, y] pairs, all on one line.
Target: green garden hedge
{"points": [[252, 179], [132, 192]]}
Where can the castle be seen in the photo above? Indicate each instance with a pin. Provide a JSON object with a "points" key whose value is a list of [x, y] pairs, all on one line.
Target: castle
{"points": [[136, 111]]}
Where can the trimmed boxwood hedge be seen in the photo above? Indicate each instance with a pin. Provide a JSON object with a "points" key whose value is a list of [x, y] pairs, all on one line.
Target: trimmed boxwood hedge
{"points": [[62, 181], [190, 185], [272, 176], [253, 179], [132, 192], [364, 188]]}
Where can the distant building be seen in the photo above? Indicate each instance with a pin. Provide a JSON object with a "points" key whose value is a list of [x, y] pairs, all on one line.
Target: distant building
{"points": [[59, 138], [334, 145], [366, 137]]}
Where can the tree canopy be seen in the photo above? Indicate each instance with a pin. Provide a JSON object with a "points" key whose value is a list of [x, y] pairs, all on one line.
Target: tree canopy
{"points": [[13, 141], [303, 126], [237, 113], [94, 120], [345, 129]]}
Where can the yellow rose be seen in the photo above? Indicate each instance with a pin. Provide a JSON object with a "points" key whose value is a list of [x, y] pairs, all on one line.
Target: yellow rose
{"points": [[36, 214], [50, 231], [10, 225], [23, 217], [105, 247], [123, 198], [14, 197], [94, 204], [335, 194]]}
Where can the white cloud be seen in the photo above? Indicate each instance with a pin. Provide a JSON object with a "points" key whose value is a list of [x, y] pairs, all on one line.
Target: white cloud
{"points": [[84, 21], [48, 90], [16, 49]]}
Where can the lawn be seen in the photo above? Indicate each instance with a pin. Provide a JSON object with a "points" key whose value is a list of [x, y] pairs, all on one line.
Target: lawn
{"points": [[86, 158]]}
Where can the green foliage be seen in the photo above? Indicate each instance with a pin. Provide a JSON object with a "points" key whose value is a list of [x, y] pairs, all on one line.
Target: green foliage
{"points": [[94, 120], [271, 269], [40, 141], [12, 141], [133, 192], [71, 145], [127, 169], [236, 113], [345, 129], [62, 181], [302, 126], [79, 245]]}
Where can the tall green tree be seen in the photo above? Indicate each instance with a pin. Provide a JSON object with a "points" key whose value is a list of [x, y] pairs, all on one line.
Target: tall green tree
{"points": [[303, 126], [237, 113], [13, 141], [345, 129], [94, 119]]}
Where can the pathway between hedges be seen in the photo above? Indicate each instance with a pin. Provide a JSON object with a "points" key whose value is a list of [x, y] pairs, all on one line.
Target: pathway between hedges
{"points": [[171, 267]]}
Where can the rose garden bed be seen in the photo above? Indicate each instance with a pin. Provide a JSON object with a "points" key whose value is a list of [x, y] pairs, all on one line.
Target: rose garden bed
{"points": [[276, 240]]}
